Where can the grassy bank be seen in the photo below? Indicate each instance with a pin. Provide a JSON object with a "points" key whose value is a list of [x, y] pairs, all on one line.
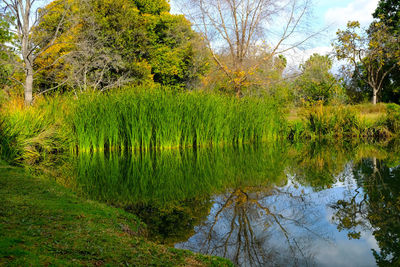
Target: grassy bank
{"points": [[42, 223]]}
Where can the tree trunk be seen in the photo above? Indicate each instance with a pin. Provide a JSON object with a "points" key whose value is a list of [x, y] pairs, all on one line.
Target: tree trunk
{"points": [[28, 87], [238, 90], [24, 22], [375, 96]]}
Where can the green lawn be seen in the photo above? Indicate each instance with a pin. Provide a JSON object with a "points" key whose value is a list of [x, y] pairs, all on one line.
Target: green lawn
{"points": [[43, 224]]}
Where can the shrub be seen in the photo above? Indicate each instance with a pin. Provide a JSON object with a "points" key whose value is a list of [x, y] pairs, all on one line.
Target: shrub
{"points": [[330, 122], [393, 118]]}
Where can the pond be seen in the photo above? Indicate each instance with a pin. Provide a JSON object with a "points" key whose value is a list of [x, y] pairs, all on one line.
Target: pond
{"points": [[258, 205]]}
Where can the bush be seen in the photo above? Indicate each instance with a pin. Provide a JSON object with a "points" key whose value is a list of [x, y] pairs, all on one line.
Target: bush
{"points": [[330, 122], [393, 118]]}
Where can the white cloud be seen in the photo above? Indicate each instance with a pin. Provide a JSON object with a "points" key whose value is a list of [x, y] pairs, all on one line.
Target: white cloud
{"points": [[360, 10]]}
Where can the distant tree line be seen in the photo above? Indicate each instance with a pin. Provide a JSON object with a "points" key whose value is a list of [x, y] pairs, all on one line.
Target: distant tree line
{"points": [[228, 46]]}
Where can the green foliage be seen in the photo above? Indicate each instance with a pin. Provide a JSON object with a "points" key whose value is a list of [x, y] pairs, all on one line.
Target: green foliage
{"points": [[368, 53], [365, 122], [145, 119], [316, 83], [8, 144], [389, 12], [328, 123], [106, 44], [357, 89], [175, 51], [133, 119], [393, 118], [331, 122], [6, 36], [152, 7]]}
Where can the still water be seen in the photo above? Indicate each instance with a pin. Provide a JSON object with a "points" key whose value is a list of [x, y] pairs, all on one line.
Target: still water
{"points": [[265, 205]]}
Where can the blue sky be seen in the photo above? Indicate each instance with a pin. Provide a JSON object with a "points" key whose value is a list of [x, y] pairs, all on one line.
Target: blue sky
{"points": [[337, 13], [333, 14]]}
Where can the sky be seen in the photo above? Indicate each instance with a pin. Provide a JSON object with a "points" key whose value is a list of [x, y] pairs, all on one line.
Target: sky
{"points": [[333, 14]]}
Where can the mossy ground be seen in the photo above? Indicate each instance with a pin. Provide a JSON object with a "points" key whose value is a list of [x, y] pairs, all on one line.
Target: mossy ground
{"points": [[45, 224]]}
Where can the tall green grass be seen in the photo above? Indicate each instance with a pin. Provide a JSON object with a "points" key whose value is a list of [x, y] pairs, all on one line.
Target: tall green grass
{"points": [[29, 135], [139, 119]]}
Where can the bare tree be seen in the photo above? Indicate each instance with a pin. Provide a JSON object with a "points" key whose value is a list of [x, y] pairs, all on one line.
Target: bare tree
{"points": [[233, 29], [27, 15]]}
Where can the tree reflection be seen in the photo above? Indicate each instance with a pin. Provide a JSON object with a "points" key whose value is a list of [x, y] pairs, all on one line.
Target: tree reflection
{"points": [[374, 205], [170, 223], [258, 227], [319, 165]]}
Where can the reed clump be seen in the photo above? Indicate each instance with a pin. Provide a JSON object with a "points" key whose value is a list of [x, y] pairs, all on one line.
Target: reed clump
{"points": [[320, 122], [139, 119], [132, 119], [29, 135], [327, 122]]}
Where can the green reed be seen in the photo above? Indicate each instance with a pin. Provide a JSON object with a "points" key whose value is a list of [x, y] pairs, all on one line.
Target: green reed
{"points": [[29, 135], [138, 119]]}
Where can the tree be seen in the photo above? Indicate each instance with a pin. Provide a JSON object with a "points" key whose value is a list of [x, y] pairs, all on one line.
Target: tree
{"points": [[388, 12], [268, 74], [370, 48], [316, 83], [121, 42], [26, 18], [357, 89], [233, 29]]}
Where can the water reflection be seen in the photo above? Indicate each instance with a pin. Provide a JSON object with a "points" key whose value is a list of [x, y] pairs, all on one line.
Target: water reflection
{"points": [[275, 205], [375, 206], [259, 227], [166, 178]]}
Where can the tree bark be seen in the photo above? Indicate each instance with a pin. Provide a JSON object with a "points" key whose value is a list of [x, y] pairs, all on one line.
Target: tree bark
{"points": [[375, 96], [28, 87], [24, 22]]}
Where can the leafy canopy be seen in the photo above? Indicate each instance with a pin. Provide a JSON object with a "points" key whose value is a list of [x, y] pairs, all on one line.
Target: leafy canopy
{"points": [[108, 43]]}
